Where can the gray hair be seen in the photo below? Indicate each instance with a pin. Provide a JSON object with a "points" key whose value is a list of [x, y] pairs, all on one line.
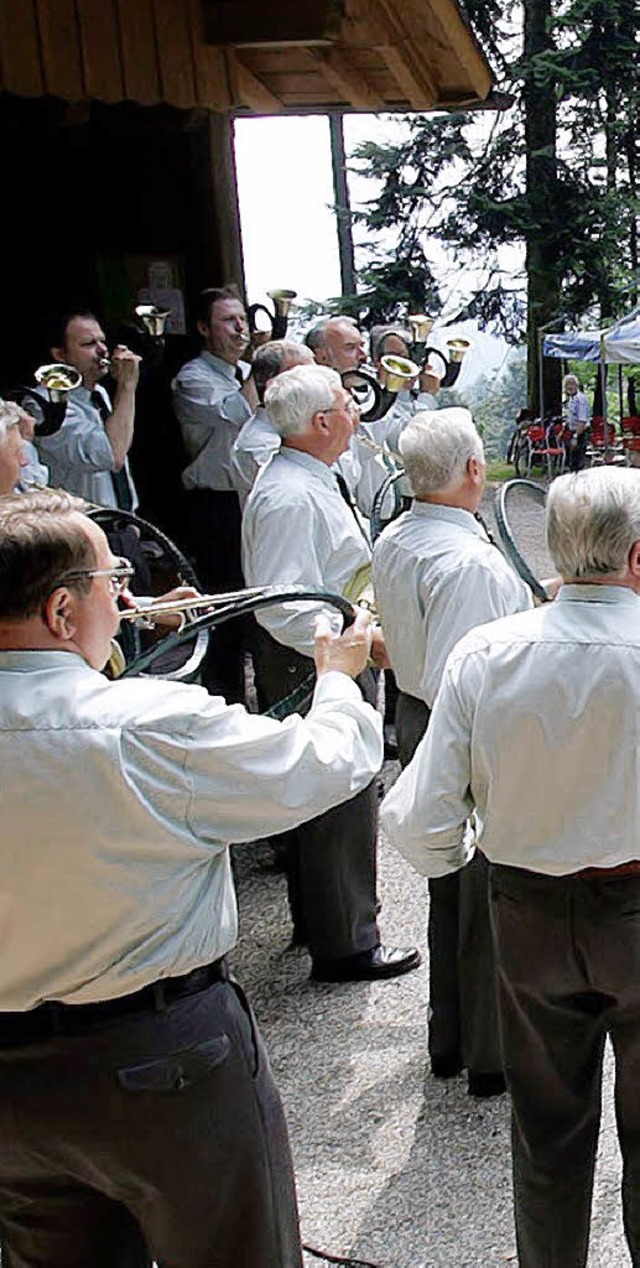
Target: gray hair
{"points": [[436, 447], [10, 415], [315, 338], [270, 358], [296, 395], [378, 335], [593, 520], [570, 378]]}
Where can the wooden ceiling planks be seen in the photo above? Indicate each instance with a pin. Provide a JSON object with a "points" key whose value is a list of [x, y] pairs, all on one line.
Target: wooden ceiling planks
{"points": [[20, 56], [392, 54], [100, 47], [138, 51]]}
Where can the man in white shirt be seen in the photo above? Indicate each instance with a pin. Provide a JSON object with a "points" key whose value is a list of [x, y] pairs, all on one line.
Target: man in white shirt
{"points": [[578, 418], [258, 440], [13, 459], [138, 1117], [87, 455], [536, 727], [298, 528], [436, 576], [212, 399]]}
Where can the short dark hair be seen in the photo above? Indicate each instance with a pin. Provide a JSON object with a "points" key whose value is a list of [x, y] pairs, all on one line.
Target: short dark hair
{"points": [[57, 324], [40, 542], [210, 296]]}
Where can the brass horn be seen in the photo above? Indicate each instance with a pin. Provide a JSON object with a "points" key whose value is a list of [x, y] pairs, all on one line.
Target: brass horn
{"points": [[58, 379], [421, 326], [397, 373], [152, 318], [458, 348], [279, 318]]}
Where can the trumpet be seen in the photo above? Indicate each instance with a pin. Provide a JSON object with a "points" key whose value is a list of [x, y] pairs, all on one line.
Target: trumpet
{"points": [[188, 610], [152, 318], [421, 326], [457, 349], [397, 373], [58, 379], [278, 319]]}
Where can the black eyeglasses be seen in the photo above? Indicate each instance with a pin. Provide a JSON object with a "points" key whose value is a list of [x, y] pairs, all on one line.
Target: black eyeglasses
{"points": [[119, 576]]}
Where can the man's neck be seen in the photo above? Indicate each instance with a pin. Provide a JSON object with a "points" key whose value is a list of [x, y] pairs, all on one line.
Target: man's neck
{"points": [[460, 500], [303, 445]]}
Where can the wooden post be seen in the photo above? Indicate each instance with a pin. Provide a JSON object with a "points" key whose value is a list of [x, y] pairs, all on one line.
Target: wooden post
{"points": [[225, 211], [342, 205]]}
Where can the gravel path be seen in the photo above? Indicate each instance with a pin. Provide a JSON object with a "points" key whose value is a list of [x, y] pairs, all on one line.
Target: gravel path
{"points": [[393, 1167]]}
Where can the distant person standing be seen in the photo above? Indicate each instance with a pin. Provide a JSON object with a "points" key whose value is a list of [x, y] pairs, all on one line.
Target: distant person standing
{"points": [[578, 418]]}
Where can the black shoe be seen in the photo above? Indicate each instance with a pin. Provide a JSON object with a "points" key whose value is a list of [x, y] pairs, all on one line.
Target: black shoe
{"points": [[485, 1085], [367, 966], [447, 1067]]}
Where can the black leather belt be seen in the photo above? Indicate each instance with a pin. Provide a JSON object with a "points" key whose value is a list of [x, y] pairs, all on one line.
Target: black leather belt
{"points": [[54, 1018]]}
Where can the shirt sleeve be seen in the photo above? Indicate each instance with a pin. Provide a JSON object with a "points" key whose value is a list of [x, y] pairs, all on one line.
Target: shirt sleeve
{"points": [[81, 441], [426, 813], [249, 776], [201, 405]]}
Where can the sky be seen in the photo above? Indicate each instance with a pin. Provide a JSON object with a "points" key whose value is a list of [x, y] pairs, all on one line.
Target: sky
{"points": [[288, 227]]}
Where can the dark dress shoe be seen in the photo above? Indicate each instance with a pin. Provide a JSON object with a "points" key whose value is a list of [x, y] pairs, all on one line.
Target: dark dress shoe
{"points": [[485, 1085], [367, 966], [447, 1067]]}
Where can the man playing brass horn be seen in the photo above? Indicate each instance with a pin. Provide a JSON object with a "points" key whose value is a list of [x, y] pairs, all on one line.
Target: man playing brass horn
{"points": [[298, 528], [139, 1120], [88, 454]]}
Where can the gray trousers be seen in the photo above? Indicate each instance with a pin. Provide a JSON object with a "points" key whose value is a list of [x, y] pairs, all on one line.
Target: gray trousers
{"points": [[332, 858], [568, 957], [159, 1136], [463, 1014]]}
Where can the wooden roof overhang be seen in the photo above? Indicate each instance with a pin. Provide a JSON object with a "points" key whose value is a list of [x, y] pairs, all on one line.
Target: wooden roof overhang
{"points": [[243, 56]]}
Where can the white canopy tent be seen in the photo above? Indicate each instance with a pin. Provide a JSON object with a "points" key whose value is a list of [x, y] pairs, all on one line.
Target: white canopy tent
{"points": [[618, 344]]}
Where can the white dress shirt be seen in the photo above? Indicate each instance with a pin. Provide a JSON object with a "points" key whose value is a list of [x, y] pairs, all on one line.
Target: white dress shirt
{"points": [[373, 468], [257, 441], [79, 456], [118, 800], [537, 725], [578, 410], [298, 528], [436, 576], [211, 410]]}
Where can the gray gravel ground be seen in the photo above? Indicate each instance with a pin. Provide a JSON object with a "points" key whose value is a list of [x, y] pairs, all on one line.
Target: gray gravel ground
{"points": [[392, 1166]]}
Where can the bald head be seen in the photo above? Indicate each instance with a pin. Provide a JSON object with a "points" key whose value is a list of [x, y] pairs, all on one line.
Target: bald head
{"points": [[338, 344]]}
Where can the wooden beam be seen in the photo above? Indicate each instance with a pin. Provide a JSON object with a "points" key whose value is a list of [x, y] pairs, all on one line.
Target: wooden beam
{"points": [[339, 71], [245, 23], [376, 24], [405, 61], [177, 75], [212, 81], [248, 90], [463, 45], [225, 210]]}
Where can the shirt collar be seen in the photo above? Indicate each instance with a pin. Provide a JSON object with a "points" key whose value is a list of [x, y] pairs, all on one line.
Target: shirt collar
{"points": [[220, 366], [23, 661], [578, 593], [301, 459], [450, 515]]}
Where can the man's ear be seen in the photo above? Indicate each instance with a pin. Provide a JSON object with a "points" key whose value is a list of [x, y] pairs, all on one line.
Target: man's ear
{"points": [[474, 469], [59, 614], [634, 562], [202, 328], [320, 421], [321, 356], [57, 355]]}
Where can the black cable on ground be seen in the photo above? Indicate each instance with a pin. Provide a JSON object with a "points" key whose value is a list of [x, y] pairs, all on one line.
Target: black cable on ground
{"points": [[339, 1259]]}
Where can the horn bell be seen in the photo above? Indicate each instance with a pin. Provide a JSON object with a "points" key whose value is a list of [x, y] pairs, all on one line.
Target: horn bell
{"points": [[397, 372]]}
